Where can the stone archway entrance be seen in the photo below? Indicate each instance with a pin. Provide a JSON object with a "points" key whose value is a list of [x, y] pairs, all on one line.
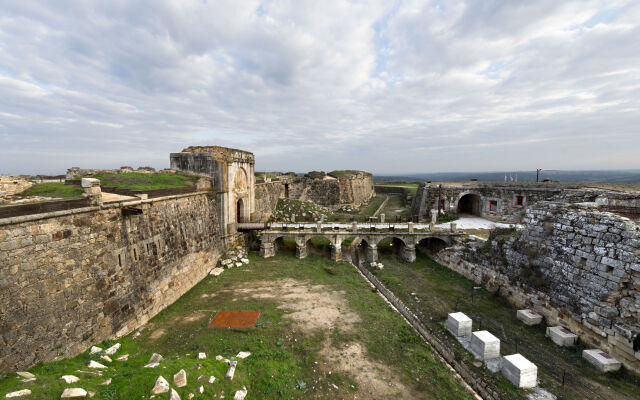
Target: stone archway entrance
{"points": [[470, 204]]}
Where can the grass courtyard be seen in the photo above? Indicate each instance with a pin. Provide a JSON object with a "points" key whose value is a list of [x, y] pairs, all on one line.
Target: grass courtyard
{"points": [[323, 333]]}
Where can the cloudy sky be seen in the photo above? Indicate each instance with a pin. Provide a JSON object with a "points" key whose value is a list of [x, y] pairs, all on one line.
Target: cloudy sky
{"points": [[386, 86]]}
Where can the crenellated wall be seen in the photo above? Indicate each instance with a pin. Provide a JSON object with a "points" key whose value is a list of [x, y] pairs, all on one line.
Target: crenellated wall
{"points": [[575, 264], [72, 278]]}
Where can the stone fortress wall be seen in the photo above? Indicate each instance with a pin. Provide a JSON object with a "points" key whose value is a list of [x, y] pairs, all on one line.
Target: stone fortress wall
{"points": [[353, 188], [576, 264], [73, 278]]}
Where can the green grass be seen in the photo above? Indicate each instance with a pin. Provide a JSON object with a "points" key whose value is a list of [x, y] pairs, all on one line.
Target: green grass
{"points": [[413, 187], [395, 208], [53, 189], [282, 354], [360, 214], [142, 181], [343, 172], [437, 290]]}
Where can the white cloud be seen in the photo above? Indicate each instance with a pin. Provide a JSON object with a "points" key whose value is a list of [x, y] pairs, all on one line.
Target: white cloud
{"points": [[391, 87]]}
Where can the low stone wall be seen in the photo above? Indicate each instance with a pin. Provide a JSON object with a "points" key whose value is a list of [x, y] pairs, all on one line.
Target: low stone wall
{"points": [[267, 195], [574, 264], [11, 185], [70, 279]]}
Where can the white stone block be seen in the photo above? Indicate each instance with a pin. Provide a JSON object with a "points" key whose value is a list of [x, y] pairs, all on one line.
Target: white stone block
{"points": [[528, 317], [561, 336], [90, 182], [520, 371], [603, 361], [458, 324], [484, 345]]}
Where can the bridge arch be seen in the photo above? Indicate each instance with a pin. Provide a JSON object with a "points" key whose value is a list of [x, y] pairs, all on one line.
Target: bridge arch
{"points": [[431, 245]]}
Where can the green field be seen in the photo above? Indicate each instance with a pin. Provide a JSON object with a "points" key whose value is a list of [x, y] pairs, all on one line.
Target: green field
{"points": [[413, 187], [323, 334], [142, 181], [53, 189]]}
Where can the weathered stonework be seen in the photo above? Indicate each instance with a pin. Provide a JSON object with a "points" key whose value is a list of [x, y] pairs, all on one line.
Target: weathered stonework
{"points": [[354, 188], [572, 263], [11, 185], [267, 195], [70, 279]]}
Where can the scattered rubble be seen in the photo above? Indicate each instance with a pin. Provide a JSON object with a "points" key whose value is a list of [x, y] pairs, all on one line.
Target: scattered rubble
{"points": [[240, 394], [112, 350], [73, 393], [161, 386], [202, 356], [243, 354], [19, 393], [180, 378], [95, 350], [174, 395], [232, 369], [70, 378], [123, 357], [95, 364]]}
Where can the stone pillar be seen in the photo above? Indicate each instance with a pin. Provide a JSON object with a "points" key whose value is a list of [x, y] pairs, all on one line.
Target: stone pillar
{"points": [[354, 227], [432, 226], [301, 249], [92, 191], [434, 216], [319, 226], [371, 254], [382, 217], [267, 249], [408, 253], [293, 218], [410, 226], [453, 226], [336, 250]]}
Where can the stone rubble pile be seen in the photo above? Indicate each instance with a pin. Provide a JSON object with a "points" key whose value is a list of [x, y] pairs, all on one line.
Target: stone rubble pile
{"points": [[236, 257]]}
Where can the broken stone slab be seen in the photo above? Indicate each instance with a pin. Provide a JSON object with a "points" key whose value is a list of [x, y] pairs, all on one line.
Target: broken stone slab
{"points": [[123, 357], [212, 379], [95, 350], [484, 345], [28, 380], [240, 394], [201, 389], [112, 350], [216, 271], [107, 382], [458, 324], [73, 393], [19, 393], [601, 360], [106, 358], [202, 356], [243, 354], [244, 260], [529, 317], [151, 365], [95, 364], [155, 358], [232, 369], [561, 336], [180, 378], [174, 395], [70, 378], [520, 371], [161, 386], [25, 374], [238, 264]]}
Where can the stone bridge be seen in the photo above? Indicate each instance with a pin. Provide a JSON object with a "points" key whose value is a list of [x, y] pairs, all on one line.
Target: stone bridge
{"points": [[369, 234]]}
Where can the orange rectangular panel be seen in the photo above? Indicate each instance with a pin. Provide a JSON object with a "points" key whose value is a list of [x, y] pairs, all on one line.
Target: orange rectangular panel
{"points": [[234, 319]]}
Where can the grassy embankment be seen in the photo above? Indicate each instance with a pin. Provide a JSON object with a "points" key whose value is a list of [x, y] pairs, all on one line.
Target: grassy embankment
{"points": [[287, 362], [437, 290], [53, 189], [413, 187], [142, 181]]}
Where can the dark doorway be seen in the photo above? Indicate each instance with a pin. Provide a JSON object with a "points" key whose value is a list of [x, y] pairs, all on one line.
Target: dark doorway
{"points": [[470, 204], [286, 190], [239, 211]]}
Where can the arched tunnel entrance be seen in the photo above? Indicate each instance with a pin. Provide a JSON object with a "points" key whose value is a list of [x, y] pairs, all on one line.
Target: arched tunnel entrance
{"points": [[431, 246], [470, 204]]}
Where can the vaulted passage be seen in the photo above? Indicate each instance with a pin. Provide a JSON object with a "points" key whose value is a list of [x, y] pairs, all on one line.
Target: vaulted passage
{"points": [[470, 204]]}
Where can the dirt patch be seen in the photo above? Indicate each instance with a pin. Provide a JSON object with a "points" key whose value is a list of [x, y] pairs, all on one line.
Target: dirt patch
{"points": [[194, 316], [316, 308], [157, 334]]}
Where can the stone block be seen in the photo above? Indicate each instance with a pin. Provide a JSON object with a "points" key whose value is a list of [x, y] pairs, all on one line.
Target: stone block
{"points": [[601, 360], [484, 345], [529, 317], [561, 336], [520, 371], [90, 182], [458, 324]]}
